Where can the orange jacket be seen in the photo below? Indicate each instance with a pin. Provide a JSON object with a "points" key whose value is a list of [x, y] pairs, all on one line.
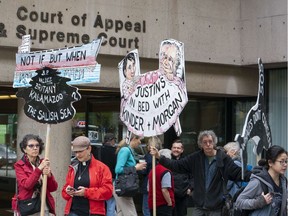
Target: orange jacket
{"points": [[100, 186]]}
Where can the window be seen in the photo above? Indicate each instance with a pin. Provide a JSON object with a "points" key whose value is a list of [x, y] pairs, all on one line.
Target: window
{"points": [[8, 156], [198, 115], [277, 106]]}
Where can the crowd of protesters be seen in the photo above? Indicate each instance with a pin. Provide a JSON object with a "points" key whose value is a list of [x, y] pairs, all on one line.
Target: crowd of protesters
{"points": [[207, 175]]}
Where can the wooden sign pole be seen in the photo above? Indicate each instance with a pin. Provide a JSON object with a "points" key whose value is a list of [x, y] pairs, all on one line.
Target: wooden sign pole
{"points": [[44, 182], [154, 178], [154, 184]]}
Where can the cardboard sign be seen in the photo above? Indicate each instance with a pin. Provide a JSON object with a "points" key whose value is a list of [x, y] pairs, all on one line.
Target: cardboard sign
{"points": [[74, 60], [152, 102], [50, 99], [25, 45], [256, 128]]}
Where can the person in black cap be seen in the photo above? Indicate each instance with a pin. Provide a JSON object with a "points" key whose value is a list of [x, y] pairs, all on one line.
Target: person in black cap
{"points": [[109, 157], [88, 182]]}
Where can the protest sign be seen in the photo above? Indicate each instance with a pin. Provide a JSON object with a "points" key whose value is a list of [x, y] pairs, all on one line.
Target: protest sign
{"points": [[77, 63], [256, 128], [25, 45], [48, 96], [152, 102], [49, 99]]}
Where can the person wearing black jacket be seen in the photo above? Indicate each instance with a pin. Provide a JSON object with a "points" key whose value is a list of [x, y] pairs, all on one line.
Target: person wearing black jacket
{"points": [[109, 157], [211, 169], [182, 181]]}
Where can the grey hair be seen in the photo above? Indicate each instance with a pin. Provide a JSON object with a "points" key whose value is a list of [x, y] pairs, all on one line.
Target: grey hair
{"points": [[232, 146], [207, 133], [166, 153]]}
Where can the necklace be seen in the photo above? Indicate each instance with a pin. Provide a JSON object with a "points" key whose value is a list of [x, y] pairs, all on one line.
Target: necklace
{"points": [[80, 175]]}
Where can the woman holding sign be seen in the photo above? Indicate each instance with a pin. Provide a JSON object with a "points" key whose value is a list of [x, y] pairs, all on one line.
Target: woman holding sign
{"points": [[29, 173]]}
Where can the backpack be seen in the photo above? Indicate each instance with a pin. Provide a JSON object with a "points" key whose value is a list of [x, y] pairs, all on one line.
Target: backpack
{"points": [[245, 212]]}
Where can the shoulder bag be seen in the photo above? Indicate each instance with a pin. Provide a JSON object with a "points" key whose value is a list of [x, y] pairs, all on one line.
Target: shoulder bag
{"points": [[127, 183], [29, 206]]}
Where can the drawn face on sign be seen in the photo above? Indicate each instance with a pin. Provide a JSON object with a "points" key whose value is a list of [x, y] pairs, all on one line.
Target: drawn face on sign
{"points": [[152, 102], [167, 60], [129, 67]]}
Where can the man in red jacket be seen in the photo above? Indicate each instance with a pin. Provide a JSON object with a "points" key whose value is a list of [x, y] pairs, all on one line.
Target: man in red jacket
{"points": [[88, 182]]}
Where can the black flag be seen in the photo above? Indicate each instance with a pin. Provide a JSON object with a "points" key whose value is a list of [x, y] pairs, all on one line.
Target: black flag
{"points": [[256, 127]]}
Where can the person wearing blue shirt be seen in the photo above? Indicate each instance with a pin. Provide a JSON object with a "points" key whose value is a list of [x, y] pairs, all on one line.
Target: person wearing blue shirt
{"points": [[233, 150], [125, 158]]}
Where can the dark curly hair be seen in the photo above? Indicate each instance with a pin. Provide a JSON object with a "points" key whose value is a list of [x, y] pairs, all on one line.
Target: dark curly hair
{"points": [[24, 142]]}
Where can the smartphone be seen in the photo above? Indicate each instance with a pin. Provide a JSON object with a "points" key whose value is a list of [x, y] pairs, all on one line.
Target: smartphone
{"points": [[71, 189]]}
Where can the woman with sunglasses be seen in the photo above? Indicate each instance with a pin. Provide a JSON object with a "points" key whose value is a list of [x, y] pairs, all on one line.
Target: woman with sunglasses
{"points": [[29, 172], [266, 193]]}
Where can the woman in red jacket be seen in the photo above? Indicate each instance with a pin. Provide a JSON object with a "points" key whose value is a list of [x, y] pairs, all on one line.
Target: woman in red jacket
{"points": [[88, 182], [29, 171]]}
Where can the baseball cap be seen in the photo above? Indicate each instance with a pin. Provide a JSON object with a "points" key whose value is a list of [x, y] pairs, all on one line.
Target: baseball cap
{"points": [[80, 143], [108, 137]]}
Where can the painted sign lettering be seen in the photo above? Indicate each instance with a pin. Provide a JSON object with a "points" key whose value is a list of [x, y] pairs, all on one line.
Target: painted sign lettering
{"points": [[50, 99], [77, 63], [152, 102], [256, 128]]}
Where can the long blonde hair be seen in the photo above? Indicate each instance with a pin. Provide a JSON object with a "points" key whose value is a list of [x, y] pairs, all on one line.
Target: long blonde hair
{"points": [[123, 142]]}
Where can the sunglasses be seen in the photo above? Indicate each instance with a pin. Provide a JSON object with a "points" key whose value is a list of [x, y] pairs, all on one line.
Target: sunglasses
{"points": [[31, 146]]}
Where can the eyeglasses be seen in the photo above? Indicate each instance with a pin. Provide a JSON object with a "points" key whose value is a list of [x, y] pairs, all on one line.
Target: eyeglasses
{"points": [[33, 146], [282, 162]]}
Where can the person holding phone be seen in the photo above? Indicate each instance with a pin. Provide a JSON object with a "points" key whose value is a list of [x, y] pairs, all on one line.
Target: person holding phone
{"points": [[88, 182], [267, 177]]}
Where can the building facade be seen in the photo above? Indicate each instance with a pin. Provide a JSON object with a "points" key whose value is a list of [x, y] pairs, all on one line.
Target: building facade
{"points": [[222, 40]]}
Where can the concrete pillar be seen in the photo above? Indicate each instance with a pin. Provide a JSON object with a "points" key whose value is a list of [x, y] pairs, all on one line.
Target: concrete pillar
{"points": [[59, 148]]}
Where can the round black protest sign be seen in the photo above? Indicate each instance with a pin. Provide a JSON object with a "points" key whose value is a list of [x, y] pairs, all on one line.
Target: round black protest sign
{"points": [[49, 99]]}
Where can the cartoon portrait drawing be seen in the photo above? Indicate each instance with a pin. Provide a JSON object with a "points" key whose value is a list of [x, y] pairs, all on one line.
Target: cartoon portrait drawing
{"points": [[170, 59], [152, 102], [129, 70]]}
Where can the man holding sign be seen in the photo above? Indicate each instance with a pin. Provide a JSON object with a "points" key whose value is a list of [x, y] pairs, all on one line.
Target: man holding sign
{"points": [[211, 169], [156, 98]]}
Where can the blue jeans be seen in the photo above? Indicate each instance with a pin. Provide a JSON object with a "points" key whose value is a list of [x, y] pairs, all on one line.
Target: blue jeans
{"points": [[145, 207], [110, 207]]}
